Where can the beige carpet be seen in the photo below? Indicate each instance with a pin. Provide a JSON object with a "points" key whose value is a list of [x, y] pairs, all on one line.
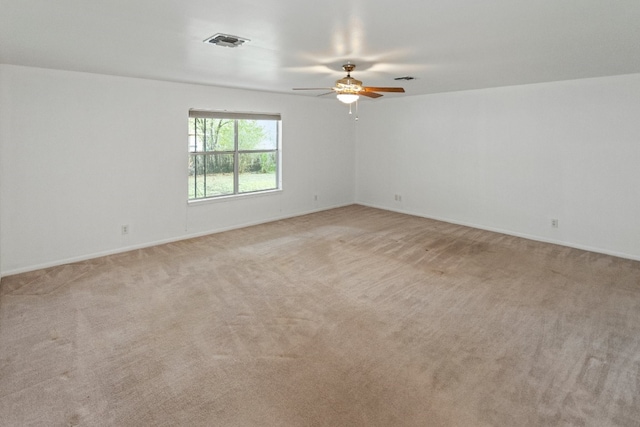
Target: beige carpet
{"points": [[349, 317]]}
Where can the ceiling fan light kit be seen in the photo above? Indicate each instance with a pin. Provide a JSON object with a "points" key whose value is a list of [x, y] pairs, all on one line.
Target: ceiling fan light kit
{"points": [[348, 98]]}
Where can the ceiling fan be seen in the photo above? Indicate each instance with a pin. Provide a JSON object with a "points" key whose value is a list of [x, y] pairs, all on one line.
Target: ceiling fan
{"points": [[349, 89]]}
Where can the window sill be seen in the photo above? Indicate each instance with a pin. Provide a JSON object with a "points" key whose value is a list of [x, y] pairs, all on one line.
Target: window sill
{"points": [[233, 197]]}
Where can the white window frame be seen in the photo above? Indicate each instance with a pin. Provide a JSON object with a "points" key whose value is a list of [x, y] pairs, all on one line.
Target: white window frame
{"points": [[236, 152]]}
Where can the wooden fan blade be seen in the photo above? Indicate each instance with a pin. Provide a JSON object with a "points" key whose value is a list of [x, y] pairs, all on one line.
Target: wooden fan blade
{"points": [[383, 89], [312, 88], [327, 93], [369, 94]]}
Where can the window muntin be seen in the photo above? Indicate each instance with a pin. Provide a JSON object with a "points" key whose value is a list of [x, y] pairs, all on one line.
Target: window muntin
{"points": [[232, 153]]}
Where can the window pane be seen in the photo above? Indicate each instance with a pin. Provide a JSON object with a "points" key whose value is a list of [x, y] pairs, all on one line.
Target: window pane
{"points": [[192, 137], [210, 175], [257, 172], [211, 134], [257, 134], [196, 135]]}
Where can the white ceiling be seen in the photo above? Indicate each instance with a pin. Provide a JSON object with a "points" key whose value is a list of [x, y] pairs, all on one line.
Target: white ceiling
{"points": [[447, 45]]}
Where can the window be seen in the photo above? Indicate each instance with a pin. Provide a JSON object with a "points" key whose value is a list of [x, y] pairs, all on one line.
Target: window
{"points": [[232, 153]]}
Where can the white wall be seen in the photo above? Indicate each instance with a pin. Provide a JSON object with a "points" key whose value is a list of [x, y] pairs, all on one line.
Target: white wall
{"points": [[3, 136], [82, 154], [510, 159]]}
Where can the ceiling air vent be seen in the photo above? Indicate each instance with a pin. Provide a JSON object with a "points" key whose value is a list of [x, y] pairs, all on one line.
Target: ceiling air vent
{"points": [[226, 40]]}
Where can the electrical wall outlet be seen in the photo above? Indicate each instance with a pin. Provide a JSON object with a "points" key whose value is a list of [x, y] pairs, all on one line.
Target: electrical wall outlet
{"points": [[124, 229], [554, 223]]}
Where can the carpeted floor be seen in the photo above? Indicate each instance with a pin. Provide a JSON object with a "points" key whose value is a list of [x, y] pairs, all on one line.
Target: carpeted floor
{"points": [[348, 317]]}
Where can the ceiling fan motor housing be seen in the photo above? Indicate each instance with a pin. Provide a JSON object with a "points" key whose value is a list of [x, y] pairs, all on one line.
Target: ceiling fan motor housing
{"points": [[348, 84]]}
